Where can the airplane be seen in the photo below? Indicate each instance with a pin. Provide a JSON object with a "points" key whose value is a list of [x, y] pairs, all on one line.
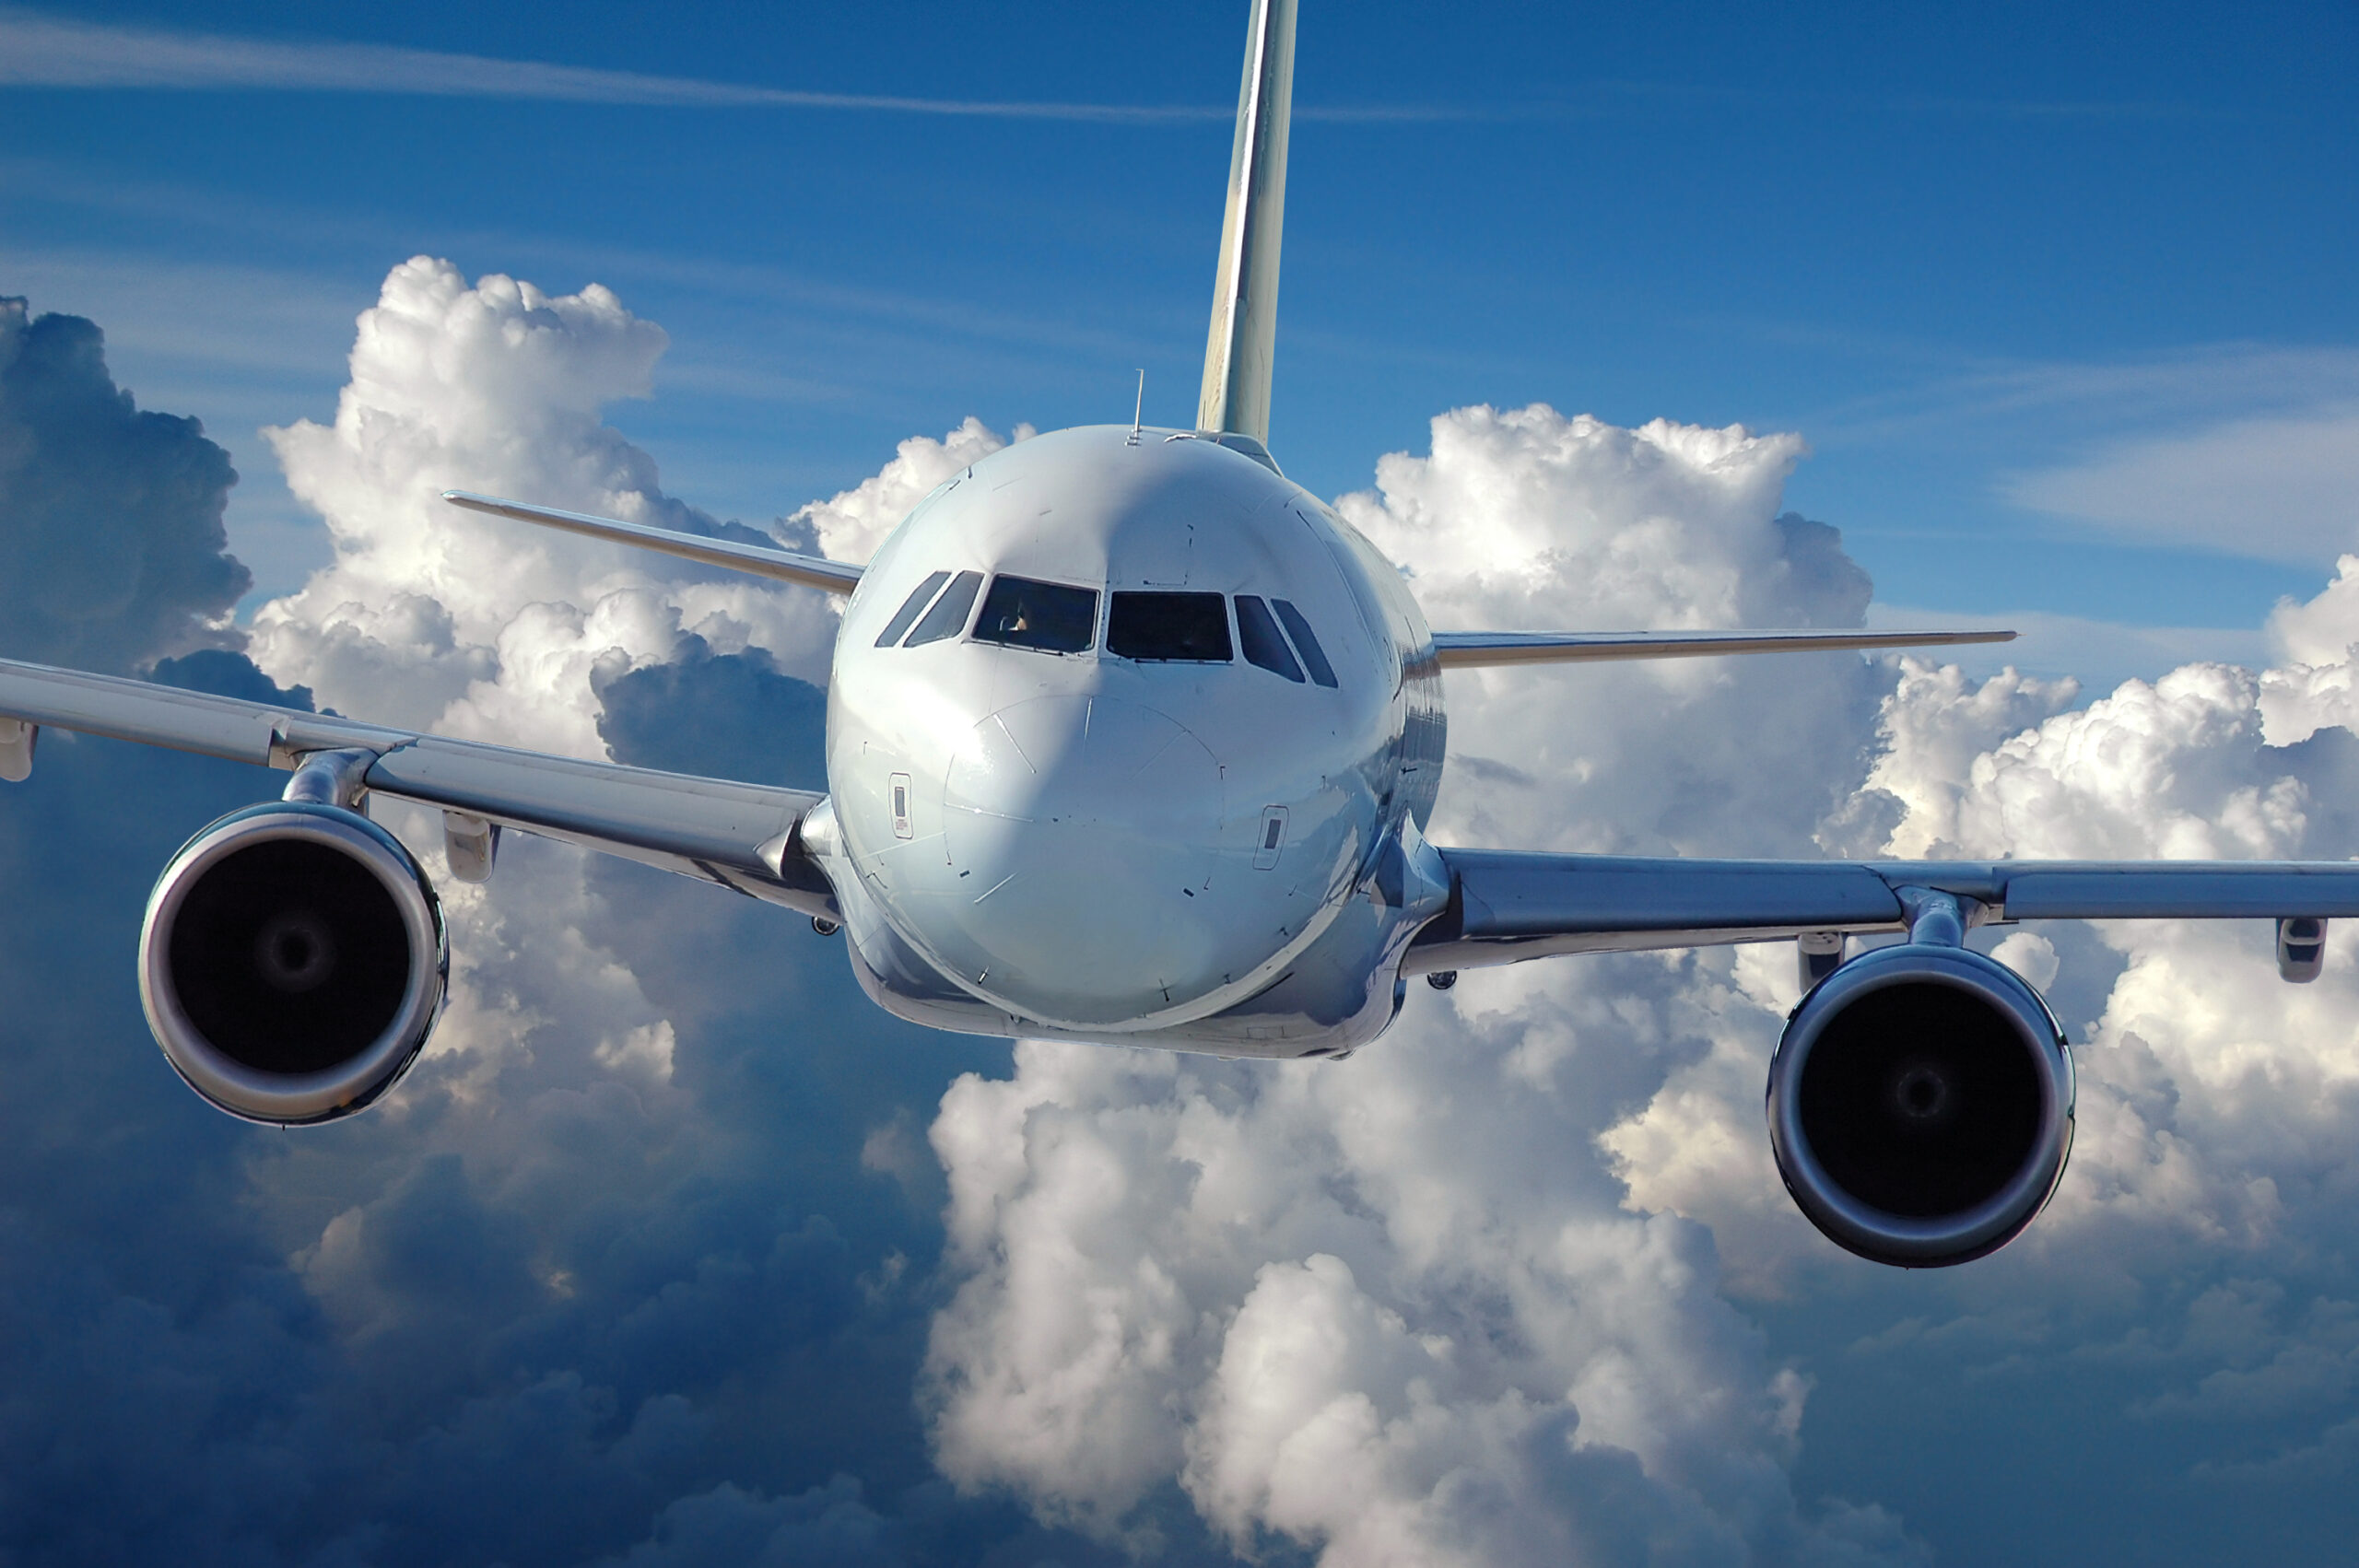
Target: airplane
{"points": [[1131, 739]]}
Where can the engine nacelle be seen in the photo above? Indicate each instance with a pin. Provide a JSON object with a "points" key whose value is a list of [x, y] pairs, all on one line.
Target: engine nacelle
{"points": [[293, 962], [1920, 1104]]}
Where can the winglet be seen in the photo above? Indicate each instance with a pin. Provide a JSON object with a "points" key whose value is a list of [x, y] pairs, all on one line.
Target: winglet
{"points": [[1237, 355]]}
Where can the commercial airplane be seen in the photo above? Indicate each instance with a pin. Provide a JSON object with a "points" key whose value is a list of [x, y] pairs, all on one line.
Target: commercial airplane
{"points": [[1132, 739]]}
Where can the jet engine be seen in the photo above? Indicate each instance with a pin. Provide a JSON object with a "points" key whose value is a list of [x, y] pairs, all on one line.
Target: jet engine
{"points": [[1920, 1104], [293, 961]]}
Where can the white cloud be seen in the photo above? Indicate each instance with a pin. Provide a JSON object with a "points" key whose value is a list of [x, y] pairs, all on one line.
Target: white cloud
{"points": [[1527, 519], [2097, 655], [850, 526], [1391, 1313], [2208, 1087], [575, 1171], [1474, 1295], [1395, 1309], [434, 616], [2173, 770], [1416, 1308], [442, 618], [2282, 487]]}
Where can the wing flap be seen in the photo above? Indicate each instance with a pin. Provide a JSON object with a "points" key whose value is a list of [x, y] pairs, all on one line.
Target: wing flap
{"points": [[1467, 651], [1506, 906], [2163, 890], [1509, 895]]}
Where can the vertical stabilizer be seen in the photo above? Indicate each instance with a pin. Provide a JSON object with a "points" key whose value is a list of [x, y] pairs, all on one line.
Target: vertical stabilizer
{"points": [[1245, 291]]}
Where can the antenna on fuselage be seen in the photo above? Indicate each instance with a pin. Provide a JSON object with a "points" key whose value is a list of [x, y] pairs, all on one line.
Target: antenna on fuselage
{"points": [[1139, 408], [1239, 353]]}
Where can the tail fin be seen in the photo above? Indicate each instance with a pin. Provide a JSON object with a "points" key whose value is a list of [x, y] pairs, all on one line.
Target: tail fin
{"points": [[1245, 291]]}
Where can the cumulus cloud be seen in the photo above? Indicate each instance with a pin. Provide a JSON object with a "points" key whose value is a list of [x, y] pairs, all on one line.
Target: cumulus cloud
{"points": [[1264, 1283], [2254, 1076], [1528, 519], [114, 550], [646, 1262], [2213, 1164], [433, 616], [573, 1294], [850, 526], [2098, 654], [1395, 1310], [774, 734], [1468, 1297]]}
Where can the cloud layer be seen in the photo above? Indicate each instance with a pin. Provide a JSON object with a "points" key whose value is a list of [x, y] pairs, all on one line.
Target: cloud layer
{"points": [[1417, 1308], [1394, 1309], [607, 1280], [673, 1250]]}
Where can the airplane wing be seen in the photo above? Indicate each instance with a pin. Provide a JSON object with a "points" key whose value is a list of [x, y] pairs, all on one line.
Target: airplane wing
{"points": [[740, 836], [1463, 650], [808, 571], [1507, 905]]}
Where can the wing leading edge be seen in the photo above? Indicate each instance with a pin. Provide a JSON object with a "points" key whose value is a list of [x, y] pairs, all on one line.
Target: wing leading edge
{"points": [[784, 566], [1508, 906], [740, 836], [1463, 650]]}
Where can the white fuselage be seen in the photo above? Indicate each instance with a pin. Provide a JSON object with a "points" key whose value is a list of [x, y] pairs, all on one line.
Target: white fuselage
{"points": [[1060, 810]]}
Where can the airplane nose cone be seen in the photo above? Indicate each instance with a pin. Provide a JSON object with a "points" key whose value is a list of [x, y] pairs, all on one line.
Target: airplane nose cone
{"points": [[1082, 837]]}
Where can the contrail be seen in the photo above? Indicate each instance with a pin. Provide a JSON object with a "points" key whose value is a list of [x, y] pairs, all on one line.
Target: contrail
{"points": [[37, 50], [43, 51]]}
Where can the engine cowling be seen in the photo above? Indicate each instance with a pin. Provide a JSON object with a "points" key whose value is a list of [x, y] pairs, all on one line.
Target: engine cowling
{"points": [[1920, 1104], [293, 962]]}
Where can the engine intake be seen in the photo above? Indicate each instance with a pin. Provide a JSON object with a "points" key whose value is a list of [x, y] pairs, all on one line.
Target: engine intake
{"points": [[1920, 1105], [293, 962]]}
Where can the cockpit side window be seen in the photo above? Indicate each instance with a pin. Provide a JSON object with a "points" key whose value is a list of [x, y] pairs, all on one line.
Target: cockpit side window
{"points": [[1169, 626], [1307, 641], [1049, 616], [948, 616], [922, 596], [1264, 645]]}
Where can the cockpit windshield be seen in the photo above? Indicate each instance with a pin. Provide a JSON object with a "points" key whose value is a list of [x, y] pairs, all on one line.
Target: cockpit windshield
{"points": [[948, 616], [1306, 640], [1049, 616], [912, 608], [1264, 644], [1192, 626], [1153, 627]]}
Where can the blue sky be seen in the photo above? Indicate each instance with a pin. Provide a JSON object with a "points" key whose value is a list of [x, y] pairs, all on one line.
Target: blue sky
{"points": [[1959, 252], [674, 1250]]}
